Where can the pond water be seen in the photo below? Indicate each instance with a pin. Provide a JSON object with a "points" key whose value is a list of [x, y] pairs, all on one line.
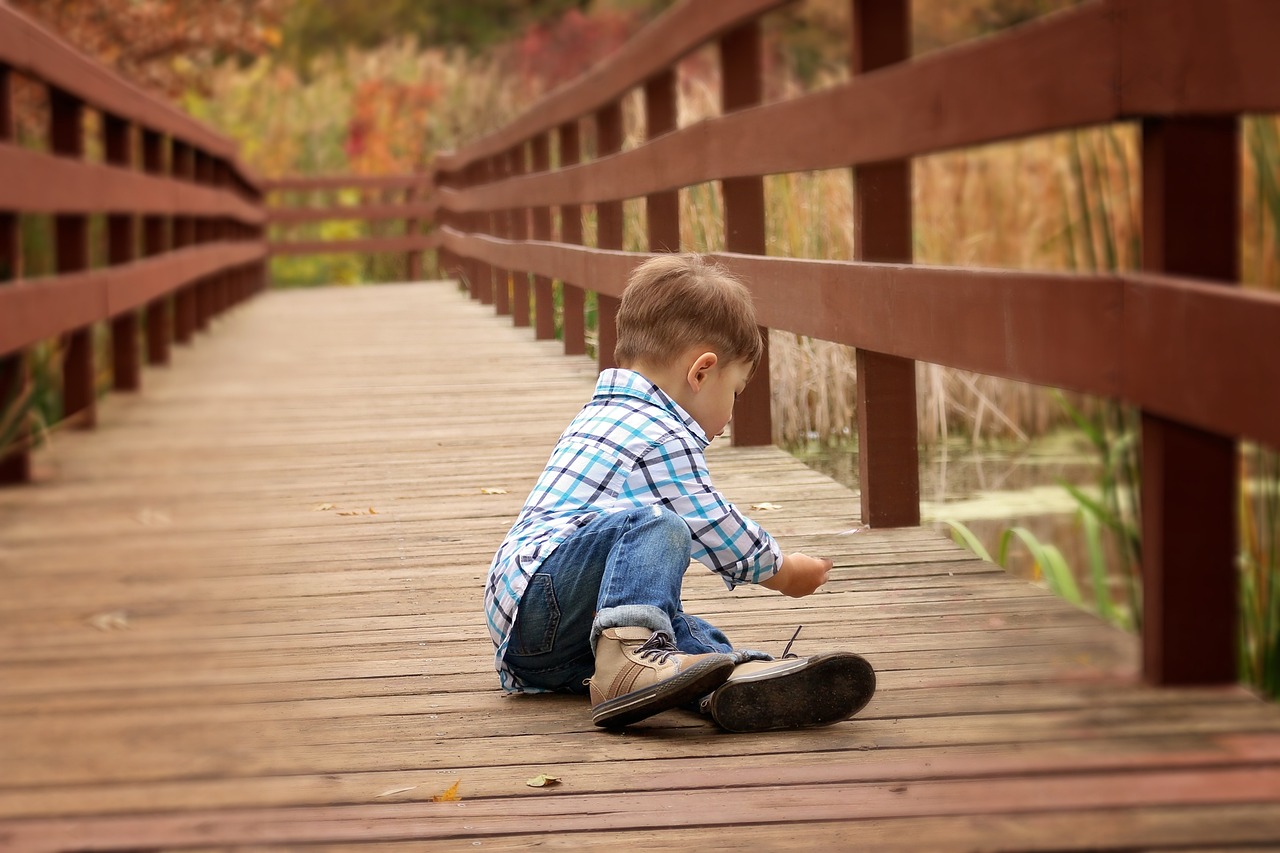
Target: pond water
{"points": [[992, 488]]}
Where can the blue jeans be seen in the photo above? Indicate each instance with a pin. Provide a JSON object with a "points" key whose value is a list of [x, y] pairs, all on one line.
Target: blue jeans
{"points": [[621, 570]]}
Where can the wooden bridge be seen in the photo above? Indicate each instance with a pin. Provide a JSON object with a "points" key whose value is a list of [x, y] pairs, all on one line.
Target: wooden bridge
{"points": [[243, 611]]}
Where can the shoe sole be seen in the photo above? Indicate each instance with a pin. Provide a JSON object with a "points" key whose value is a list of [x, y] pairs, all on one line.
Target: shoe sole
{"points": [[698, 680], [831, 688]]}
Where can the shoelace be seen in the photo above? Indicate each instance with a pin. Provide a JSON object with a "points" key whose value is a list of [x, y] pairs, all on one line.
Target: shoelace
{"points": [[786, 652], [658, 648]]}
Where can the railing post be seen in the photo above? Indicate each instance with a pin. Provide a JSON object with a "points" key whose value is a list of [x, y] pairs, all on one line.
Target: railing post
{"points": [[520, 231], [203, 289], [544, 312], [662, 210], [1191, 213], [71, 235], [888, 450], [15, 466], [184, 302], [413, 260], [608, 234], [742, 86], [484, 223], [502, 227], [573, 296], [154, 242], [126, 362]]}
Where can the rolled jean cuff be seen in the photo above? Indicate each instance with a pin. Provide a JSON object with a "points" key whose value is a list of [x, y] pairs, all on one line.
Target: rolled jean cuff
{"points": [[744, 655], [630, 616]]}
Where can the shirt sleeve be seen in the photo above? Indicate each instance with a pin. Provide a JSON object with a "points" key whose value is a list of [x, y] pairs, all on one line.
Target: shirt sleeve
{"points": [[724, 540]]}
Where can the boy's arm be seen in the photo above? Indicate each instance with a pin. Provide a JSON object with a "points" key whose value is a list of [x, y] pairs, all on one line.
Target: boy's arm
{"points": [[799, 575]]}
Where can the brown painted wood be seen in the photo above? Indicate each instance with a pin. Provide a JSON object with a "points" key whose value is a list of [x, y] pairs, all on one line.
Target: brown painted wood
{"points": [[609, 235], [366, 212], [36, 309], [502, 227], [1191, 204], [43, 183], [155, 240], [660, 45], [419, 181], [15, 462], [662, 209], [71, 242], [573, 291], [888, 464], [742, 87], [518, 222], [540, 229], [185, 312], [126, 357], [404, 243], [35, 51]]}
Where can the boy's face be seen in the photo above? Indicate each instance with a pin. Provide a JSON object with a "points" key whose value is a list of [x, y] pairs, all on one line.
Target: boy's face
{"points": [[718, 387]]}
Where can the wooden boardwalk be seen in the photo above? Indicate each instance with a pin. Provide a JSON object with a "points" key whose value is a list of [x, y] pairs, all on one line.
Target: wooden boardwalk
{"points": [[245, 613]]}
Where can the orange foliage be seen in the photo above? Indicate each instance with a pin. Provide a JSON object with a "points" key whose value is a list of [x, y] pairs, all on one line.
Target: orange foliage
{"points": [[167, 46]]}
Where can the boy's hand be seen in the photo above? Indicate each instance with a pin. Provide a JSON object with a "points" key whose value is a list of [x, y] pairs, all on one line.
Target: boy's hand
{"points": [[799, 575]]}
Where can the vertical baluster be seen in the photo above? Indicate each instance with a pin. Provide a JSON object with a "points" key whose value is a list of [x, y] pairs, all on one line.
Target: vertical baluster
{"points": [[204, 299], [155, 238], [484, 224], [502, 228], [126, 361], [1191, 214], [543, 297], [573, 296], [608, 234], [71, 237], [15, 466], [520, 231], [742, 82], [888, 451], [185, 310], [662, 209], [413, 259]]}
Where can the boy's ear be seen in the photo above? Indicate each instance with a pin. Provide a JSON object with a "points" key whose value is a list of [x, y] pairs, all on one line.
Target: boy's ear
{"points": [[699, 368]]}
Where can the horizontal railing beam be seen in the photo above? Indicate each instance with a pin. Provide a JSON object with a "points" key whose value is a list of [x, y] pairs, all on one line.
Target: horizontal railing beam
{"points": [[35, 182], [365, 212], [421, 181], [1006, 323], [664, 42], [27, 47], [408, 243], [32, 310], [1070, 70]]}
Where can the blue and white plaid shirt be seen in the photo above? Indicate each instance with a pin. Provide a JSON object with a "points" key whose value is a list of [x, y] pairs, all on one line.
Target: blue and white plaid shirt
{"points": [[631, 446]]}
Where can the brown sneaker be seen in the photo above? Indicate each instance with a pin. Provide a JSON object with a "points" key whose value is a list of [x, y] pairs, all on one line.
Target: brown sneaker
{"points": [[640, 673], [792, 693]]}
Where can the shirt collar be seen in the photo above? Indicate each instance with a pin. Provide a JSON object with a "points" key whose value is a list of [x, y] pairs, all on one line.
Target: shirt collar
{"points": [[617, 382]]}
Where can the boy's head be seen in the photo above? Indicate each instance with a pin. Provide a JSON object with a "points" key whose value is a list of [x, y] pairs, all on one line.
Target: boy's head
{"points": [[676, 302]]}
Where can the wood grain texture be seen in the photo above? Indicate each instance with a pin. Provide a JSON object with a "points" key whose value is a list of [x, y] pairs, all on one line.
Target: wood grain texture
{"points": [[246, 613]]}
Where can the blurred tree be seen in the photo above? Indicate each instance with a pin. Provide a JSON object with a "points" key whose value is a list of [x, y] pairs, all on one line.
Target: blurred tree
{"points": [[314, 27], [167, 46]]}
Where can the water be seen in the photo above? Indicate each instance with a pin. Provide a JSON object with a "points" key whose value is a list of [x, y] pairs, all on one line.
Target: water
{"points": [[990, 489]]}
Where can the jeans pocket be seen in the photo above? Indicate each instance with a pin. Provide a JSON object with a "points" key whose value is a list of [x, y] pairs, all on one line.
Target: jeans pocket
{"points": [[537, 618]]}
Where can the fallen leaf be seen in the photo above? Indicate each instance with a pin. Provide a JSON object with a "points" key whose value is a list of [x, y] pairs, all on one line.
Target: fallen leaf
{"points": [[450, 794], [542, 780], [372, 511], [493, 491], [765, 507], [394, 791], [116, 620], [351, 512], [322, 508]]}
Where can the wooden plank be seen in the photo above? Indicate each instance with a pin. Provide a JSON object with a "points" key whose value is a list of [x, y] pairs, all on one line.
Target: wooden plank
{"points": [[194, 655]]}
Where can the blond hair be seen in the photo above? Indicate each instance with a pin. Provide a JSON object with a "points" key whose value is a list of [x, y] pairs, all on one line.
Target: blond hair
{"points": [[674, 302]]}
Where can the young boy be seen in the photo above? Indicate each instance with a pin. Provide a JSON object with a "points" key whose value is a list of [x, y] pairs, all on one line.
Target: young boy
{"points": [[584, 592]]}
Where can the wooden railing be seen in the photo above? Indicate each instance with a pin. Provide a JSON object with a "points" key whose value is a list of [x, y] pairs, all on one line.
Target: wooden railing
{"points": [[183, 227], [394, 197], [1199, 357]]}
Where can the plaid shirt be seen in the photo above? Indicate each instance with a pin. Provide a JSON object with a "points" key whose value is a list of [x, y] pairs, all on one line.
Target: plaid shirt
{"points": [[631, 446]]}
